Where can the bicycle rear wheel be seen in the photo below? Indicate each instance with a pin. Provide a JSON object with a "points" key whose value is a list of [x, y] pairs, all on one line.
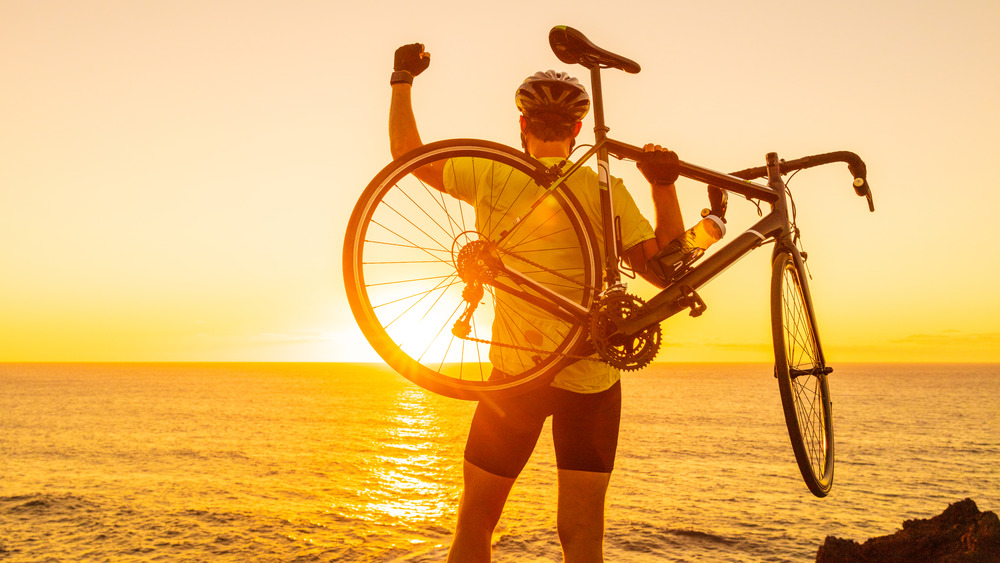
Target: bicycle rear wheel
{"points": [[802, 373], [425, 271]]}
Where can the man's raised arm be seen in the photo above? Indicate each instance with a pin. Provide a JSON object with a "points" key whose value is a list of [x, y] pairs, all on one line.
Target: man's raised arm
{"points": [[410, 60]]}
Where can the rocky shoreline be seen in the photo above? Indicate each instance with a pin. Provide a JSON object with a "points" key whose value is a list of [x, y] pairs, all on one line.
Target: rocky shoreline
{"points": [[960, 534]]}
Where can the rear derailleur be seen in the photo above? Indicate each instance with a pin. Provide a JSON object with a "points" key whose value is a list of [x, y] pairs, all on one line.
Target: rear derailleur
{"points": [[477, 263]]}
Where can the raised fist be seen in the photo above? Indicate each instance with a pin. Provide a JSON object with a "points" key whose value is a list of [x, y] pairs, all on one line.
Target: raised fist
{"points": [[412, 58]]}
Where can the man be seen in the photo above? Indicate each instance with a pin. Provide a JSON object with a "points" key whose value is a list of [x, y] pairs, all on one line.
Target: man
{"points": [[584, 400]]}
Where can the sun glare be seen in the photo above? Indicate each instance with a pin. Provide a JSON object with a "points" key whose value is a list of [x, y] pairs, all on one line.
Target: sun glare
{"points": [[407, 485]]}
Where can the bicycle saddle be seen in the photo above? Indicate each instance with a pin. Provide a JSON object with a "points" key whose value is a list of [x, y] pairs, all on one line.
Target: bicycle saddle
{"points": [[572, 47]]}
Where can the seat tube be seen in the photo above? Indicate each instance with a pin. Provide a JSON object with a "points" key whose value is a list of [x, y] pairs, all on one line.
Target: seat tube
{"points": [[611, 275]]}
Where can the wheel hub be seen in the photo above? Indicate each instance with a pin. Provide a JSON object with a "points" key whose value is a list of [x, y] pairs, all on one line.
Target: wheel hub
{"points": [[476, 259]]}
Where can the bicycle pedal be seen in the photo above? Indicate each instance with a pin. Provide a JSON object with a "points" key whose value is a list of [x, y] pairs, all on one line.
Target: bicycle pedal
{"points": [[691, 300]]}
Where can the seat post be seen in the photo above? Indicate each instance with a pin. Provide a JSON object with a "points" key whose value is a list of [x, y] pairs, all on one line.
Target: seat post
{"points": [[600, 129]]}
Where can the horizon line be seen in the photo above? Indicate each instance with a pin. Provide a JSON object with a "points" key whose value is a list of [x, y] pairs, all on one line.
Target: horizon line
{"points": [[350, 362]]}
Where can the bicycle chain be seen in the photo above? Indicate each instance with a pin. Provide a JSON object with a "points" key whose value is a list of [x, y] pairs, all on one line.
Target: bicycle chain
{"points": [[547, 270]]}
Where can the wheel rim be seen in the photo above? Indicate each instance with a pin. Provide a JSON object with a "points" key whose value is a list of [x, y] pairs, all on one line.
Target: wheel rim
{"points": [[807, 382], [407, 240]]}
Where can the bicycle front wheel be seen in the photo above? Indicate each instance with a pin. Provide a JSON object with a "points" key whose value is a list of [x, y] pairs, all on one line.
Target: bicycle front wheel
{"points": [[802, 373], [453, 287]]}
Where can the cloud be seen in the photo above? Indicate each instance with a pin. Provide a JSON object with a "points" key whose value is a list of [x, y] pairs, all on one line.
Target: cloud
{"points": [[281, 337], [951, 337], [673, 342]]}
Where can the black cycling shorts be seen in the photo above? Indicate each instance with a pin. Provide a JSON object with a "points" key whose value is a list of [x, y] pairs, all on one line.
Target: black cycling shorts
{"points": [[584, 430]]}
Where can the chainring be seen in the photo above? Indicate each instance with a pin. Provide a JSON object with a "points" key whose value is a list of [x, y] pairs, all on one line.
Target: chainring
{"points": [[618, 350]]}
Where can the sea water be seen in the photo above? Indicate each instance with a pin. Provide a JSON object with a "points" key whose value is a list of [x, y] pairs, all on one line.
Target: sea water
{"points": [[341, 462]]}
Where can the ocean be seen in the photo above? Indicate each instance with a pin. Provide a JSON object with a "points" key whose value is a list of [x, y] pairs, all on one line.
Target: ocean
{"points": [[350, 462]]}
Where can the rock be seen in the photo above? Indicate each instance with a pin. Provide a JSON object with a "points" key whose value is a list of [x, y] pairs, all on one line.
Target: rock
{"points": [[961, 534]]}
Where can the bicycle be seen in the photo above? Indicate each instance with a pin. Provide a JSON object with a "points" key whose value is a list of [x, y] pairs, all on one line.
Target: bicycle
{"points": [[489, 309]]}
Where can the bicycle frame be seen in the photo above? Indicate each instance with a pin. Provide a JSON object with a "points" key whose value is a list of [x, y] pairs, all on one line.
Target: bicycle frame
{"points": [[681, 293], [549, 311]]}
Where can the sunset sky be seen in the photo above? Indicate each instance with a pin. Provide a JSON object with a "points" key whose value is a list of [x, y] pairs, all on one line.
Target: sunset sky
{"points": [[176, 177]]}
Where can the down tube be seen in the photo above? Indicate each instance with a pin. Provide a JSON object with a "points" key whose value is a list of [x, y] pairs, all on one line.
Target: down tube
{"points": [[666, 303]]}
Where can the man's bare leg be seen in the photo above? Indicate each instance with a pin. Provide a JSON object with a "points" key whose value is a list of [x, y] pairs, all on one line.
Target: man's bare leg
{"points": [[483, 499], [581, 515]]}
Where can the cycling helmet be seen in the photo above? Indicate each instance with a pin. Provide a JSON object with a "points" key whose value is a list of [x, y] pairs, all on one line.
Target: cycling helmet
{"points": [[552, 95]]}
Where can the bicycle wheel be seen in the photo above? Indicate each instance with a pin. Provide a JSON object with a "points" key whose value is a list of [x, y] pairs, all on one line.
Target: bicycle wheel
{"points": [[802, 373], [450, 293]]}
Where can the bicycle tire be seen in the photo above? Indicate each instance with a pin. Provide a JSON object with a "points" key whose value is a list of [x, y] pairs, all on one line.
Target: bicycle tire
{"points": [[407, 316], [802, 373]]}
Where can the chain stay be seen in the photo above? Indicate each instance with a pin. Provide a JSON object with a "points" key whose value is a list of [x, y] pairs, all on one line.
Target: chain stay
{"points": [[464, 335]]}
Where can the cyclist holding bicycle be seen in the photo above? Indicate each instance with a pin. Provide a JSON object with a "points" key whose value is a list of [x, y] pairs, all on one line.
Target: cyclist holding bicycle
{"points": [[584, 400]]}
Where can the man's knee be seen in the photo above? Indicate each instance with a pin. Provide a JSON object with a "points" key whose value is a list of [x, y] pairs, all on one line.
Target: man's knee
{"points": [[483, 498]]}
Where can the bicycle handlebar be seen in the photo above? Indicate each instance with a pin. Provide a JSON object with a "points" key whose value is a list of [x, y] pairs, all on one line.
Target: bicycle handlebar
{"points": [[854, 164]]}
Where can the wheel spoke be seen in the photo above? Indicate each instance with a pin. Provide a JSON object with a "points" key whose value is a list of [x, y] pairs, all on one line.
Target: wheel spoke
{"points": [[802, 373], [415, 226], [423, 294], [428, 251], [407, 240]]}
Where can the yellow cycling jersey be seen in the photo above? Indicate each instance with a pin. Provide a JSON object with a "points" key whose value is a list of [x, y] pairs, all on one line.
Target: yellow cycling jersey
{"points": [[499, 201]]}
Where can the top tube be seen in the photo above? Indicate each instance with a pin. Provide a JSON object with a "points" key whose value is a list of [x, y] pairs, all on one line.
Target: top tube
{"points": [[731, 182]]}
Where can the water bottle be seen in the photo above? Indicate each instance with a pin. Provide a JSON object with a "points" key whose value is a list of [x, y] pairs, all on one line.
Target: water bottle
{"points": [[704, 234], [675, 258]]}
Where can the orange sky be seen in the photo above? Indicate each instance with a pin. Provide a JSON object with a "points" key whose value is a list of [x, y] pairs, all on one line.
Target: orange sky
{"points": [[176, 177]]}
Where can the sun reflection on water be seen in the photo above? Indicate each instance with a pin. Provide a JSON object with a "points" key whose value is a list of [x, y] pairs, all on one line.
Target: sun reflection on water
{"points": [[412, 471]]}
